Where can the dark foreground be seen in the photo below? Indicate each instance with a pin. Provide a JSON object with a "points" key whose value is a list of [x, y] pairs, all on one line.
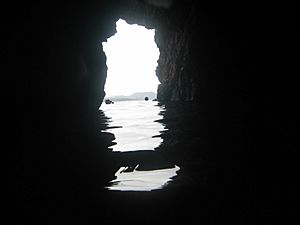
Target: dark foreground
{"points": [[226, 176]]}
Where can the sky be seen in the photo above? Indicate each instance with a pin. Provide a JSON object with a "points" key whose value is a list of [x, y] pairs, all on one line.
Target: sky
{"points": [[132, 56]]}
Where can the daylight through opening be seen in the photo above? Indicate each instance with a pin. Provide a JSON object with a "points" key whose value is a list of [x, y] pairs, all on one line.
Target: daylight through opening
{"points": [[132, 56]]}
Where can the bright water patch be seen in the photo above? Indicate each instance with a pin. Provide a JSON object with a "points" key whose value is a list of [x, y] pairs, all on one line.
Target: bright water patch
{"points": [[132, 123], [142, 180], [135, 127]]}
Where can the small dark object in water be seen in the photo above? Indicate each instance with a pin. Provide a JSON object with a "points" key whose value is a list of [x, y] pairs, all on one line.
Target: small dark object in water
{"points": [[107, 101], [146, 98]]}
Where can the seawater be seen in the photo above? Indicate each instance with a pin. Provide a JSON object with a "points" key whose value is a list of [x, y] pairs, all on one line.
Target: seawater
{"points": [[135, 127], [133, 124]]}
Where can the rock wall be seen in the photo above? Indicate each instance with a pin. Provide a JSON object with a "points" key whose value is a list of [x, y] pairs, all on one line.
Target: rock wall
{"points": [[173, 69], [62, 66], [172, 22]]}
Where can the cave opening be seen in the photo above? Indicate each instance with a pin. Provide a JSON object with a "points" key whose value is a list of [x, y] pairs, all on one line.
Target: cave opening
{"points": [[132, 56], [131, 88], [132, 112]]}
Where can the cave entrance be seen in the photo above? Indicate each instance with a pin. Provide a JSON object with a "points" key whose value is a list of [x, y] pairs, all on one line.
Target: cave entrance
{"points": [[132, 56], [131, 85]]}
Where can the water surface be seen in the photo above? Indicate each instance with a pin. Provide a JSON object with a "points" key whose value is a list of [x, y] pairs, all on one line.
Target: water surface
{"points": [[136, 129], [132, 123]]}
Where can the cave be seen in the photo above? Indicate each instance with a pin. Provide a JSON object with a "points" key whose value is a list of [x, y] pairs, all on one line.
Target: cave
{"points": [[227, 82]]}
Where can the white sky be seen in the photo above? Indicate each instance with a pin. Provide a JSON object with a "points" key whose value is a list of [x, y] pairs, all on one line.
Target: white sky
{"points": [[132, 56]]}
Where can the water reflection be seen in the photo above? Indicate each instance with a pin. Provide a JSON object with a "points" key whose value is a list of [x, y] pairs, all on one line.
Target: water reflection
{"points": [[132, 123], [142, 180], [135, 127]]}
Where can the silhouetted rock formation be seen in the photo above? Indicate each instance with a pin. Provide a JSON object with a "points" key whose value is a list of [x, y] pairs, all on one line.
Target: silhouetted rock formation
{"points": [[107, 101]]}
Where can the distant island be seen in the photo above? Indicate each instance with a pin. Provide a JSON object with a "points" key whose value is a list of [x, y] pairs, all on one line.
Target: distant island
{"points": [[133, 97]]}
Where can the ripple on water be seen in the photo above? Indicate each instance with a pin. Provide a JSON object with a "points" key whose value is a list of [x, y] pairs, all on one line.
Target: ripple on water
{"points": [[142, 180], [137, 126]]}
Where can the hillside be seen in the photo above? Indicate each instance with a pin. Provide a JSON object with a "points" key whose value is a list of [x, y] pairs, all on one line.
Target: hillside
{"points": [[134, 96]]}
